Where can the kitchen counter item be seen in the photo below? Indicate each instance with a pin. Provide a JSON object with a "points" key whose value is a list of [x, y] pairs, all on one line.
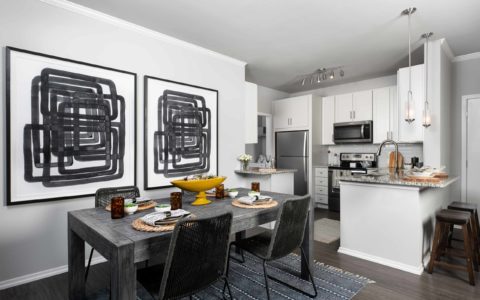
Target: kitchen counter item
{"points": [[400, 160]]}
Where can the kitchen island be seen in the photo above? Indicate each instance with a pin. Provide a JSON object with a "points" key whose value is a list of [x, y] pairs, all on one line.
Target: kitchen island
{"points": [[388, 220], [275, 180]]}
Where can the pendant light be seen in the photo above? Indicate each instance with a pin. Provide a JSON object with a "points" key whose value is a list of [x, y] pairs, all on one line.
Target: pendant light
{"points": [[410, 104], [427, 117]]}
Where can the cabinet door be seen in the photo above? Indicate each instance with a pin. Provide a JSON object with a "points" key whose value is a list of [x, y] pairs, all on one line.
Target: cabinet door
{"points": [[381, 115], [343, 108], [328, 118], [281, 115], [411, 132], [299, 111], [362, 106], [251, 111], [393, 113]]}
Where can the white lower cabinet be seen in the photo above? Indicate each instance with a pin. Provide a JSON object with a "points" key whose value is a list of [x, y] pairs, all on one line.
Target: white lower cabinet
{"points": [[320, 193]]}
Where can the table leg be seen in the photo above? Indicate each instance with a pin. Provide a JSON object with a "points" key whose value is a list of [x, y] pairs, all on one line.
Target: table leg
{"points": [[76, 265], [123, 274], [307, 245]]}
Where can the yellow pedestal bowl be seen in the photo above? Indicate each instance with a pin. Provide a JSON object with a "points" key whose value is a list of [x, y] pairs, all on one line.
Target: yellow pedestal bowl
{"points": [[199, 186]]}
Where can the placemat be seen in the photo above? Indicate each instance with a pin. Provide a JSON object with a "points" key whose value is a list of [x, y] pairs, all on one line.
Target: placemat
{"points": [[139, 225], [270, 204], [145, 206]]}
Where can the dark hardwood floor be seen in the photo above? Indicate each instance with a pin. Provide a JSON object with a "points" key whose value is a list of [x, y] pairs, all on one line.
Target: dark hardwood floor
{"points": [[390, 283]]}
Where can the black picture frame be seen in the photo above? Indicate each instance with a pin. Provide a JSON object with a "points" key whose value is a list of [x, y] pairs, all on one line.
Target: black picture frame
{"points": [[180, 87], [62, 75]]}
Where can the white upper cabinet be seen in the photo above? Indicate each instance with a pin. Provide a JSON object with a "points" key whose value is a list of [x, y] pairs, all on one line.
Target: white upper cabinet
{"points": [[328, 118], [362, 106], [353, 107], [385, 114], [251, 111], [292, 113], [343, 108], [412, 132]]}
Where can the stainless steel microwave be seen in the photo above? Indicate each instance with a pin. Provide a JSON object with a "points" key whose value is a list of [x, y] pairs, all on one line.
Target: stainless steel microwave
{"points": [[353, 132]]}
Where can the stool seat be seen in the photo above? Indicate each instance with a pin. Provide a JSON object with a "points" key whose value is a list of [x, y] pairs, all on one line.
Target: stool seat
{"points": [[453, 216], [463, 206]]}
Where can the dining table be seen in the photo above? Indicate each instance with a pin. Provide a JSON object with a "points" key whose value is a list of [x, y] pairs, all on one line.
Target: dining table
{"points": [[124, 247]]}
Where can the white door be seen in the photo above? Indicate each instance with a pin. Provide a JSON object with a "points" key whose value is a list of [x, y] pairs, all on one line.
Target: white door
{"points": [[362, 106], [328, 118], [343, 108], [473, 151], [381, 115]]}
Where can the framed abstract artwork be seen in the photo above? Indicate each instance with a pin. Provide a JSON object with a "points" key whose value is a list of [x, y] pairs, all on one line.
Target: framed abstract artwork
{"points": [[180, 131], [70, 127]]}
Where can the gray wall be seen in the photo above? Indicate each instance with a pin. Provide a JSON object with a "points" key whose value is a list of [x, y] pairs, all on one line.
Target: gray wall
{"points": [[33, 237], [466, 81], [266, 96]]}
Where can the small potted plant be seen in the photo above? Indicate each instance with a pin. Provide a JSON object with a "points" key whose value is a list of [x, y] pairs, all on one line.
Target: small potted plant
{"points": [[244, 159]]}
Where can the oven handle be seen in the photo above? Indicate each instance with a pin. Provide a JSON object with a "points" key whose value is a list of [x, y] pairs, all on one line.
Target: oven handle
{"points": [[362, 131]]}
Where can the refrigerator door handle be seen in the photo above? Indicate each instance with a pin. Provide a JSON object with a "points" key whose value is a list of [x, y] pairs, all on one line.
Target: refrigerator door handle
{"points": [[305, 155]]}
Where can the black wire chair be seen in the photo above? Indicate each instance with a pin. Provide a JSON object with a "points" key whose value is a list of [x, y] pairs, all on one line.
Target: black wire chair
{"points": [[286, 237], [197, 257], [102, 199]]}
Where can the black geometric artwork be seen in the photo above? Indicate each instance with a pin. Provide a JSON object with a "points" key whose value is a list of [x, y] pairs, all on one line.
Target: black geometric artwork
{"points": [[182, 143], [72, 138]]}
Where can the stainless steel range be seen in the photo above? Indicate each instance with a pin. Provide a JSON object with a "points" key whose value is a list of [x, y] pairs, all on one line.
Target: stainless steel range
{"points": [[350, 163]]}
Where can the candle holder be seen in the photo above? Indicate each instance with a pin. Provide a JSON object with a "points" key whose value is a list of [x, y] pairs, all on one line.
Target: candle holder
{"points": [[176, 200], [116, 207], [219, 191], [256, 186]]}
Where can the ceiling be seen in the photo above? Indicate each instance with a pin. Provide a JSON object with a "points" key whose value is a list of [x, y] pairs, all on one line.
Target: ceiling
{"points": [[282, 39]]}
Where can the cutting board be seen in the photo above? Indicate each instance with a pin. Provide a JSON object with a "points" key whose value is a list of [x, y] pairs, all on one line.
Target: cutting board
{"points": [[422, 179], [391, 161]]}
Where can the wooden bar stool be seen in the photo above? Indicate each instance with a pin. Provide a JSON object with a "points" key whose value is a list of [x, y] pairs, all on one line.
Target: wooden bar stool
{"points": [[444, 219], [472, 209]]}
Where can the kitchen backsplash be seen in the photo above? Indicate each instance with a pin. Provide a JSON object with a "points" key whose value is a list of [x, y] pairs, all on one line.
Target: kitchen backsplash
{"points": [[408, 151]]}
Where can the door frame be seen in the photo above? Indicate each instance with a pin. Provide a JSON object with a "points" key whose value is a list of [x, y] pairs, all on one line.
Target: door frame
{"points": [[464, 144]]}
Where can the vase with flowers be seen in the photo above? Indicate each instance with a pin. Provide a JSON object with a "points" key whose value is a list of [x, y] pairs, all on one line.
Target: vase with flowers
{"points": [[244, 159]]}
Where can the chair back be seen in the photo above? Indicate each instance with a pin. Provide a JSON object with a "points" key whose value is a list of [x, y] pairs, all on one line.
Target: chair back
{"points": [[104, 195], [197, 255], [289, 227]]}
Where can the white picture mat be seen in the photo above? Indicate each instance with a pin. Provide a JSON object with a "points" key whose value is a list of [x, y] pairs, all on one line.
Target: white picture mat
{"points": [[23, 68], [154, 91]]}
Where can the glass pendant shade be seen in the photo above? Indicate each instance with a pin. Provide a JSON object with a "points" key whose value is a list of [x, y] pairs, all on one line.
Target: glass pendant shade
{"points": [[410, 108], [427, 117]]}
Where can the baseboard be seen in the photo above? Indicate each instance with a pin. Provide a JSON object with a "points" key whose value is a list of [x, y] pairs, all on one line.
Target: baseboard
{"points": [[383, 261], [42, 274]]}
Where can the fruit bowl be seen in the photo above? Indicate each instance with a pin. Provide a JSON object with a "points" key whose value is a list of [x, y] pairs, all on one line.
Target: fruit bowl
{"points": [[199, 186]]}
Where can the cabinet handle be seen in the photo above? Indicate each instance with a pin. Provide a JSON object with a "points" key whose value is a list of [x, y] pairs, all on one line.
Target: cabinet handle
{"points": [[354, 115]]}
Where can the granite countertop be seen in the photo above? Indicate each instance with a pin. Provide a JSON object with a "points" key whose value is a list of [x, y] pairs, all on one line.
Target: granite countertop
{"points": [[263, 172], [384, 176]]}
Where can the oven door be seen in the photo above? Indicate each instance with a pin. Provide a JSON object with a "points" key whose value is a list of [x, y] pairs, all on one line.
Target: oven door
{"points": [[353, 132]]}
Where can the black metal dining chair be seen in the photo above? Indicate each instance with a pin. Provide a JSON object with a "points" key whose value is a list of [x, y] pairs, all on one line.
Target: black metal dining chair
{"points": [[286, 237], [197, 257], [102, 199]]}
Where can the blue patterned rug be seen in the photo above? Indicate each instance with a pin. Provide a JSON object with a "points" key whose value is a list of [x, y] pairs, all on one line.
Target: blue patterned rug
{"points": [[247, 281]]}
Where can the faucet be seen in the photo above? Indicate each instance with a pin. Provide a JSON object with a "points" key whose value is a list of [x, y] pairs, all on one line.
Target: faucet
{"points": [[379, 151]]}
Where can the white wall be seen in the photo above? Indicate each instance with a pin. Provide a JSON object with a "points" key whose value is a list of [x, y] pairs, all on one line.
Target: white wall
{"points": [[466, 81], [266, 96], [33, 237], [351, 87]]}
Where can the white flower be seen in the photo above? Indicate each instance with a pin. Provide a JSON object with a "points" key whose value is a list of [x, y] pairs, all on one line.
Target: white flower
{"points": [[244, 157]]}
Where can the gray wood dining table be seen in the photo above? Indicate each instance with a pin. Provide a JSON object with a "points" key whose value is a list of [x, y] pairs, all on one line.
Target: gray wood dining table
{"points": [[124, 247]]}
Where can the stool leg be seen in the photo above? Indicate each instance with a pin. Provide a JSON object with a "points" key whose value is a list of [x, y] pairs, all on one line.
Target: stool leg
{"points": [[435, 245], [450, 235], [474, 246], [468, 252], [476, 250]]}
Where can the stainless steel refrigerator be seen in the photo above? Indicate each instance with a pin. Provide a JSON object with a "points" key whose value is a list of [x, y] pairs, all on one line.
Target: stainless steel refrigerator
{"points": [[291, 152]]}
